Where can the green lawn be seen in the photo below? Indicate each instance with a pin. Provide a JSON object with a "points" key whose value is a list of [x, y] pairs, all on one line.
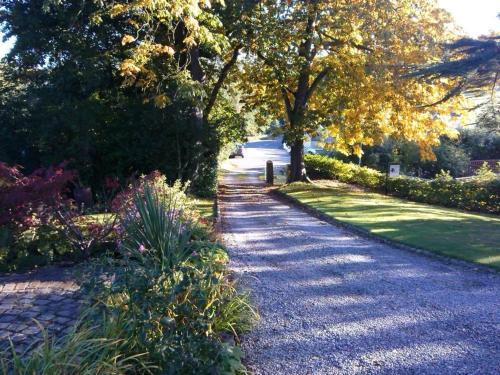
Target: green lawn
{"points": [[470, 236], [205, 207]]}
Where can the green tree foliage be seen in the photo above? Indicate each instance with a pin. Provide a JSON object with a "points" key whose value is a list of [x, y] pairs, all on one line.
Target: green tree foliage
{"points": [[475, 62], [74, 101], [481, 144], [451, 155]]}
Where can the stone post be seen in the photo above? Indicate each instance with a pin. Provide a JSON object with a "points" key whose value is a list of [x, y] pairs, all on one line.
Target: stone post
{"points": [[269, 173]]}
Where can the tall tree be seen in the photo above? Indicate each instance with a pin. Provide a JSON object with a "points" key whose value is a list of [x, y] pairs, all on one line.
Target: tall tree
{"points": [[115, 88], [182, 50], [334, 65], [192, 42]]}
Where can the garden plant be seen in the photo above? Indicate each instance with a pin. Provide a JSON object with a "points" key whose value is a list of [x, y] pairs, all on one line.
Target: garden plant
{"points": [[166, 304]]}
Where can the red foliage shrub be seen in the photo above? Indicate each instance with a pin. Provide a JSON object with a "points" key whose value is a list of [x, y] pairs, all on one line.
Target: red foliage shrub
{"points": [[27, 200]]}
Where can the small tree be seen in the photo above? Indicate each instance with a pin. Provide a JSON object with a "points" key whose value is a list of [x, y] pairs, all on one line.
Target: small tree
{"points": [[29, 200]]}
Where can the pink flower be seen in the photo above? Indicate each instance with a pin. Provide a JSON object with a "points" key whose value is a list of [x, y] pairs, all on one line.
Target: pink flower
{"points": [[141, 248], [194, 254]]}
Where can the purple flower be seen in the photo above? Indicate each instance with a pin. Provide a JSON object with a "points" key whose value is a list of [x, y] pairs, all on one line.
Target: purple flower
{"points": [[141, 248], [194, 254]]}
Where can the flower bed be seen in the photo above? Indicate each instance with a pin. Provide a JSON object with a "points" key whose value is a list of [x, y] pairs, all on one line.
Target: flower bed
{"points": [[166, 304]]}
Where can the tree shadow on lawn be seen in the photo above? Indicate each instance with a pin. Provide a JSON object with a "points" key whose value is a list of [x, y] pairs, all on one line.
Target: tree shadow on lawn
{"points": [[466, 239], [448, 232]]}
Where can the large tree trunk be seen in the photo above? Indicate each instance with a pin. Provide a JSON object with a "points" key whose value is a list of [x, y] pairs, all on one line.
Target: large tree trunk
{"points": [[297, 161]]}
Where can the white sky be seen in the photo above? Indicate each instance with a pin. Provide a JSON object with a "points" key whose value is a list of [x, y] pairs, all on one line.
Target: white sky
{"points": [[5, 46], [476, 17]]}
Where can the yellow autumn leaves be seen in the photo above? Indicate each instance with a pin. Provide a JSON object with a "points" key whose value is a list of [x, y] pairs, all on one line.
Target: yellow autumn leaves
{"points": [[366, 45]]}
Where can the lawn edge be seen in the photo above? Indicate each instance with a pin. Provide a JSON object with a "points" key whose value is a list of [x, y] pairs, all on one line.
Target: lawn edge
{"points": [[367, 234]]}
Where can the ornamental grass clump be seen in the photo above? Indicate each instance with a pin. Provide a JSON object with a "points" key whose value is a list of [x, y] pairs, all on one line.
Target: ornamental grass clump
{"points": [[156, 230], [169, 297], [89, 349]]}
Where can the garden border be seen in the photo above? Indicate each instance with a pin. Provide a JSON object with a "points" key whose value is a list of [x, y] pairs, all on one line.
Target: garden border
{"points": [[367, 234]]}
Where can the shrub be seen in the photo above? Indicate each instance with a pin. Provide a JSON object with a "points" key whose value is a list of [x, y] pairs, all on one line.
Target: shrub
{"points": [[481, 193], [27, 205], [327, 167], [26, 201], [34, 247], [43, 223], [125, 201], [167, 307]]}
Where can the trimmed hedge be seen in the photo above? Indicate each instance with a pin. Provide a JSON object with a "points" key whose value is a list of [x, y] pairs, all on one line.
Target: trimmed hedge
{"points": [[474, 195]]}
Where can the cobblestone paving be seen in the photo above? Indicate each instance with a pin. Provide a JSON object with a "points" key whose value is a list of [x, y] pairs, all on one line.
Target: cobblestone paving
{"points": [[48, 295]]}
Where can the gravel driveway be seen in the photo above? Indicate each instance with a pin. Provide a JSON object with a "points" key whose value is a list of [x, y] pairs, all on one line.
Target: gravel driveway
{"points": [[334, 303]]}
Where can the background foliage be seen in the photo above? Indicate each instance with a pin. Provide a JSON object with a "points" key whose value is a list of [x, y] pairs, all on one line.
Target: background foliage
{"points": [[65, 97], [481, 193]]}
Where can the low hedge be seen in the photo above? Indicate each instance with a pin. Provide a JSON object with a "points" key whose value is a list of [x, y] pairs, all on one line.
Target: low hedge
{"points": [[474, 194]]}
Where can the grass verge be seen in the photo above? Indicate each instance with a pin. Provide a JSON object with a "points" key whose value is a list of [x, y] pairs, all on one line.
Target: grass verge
{"points": [[469, 236], [205, 206]]}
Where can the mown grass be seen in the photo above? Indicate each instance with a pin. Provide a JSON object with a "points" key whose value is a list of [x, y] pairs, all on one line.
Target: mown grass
{"points": [[205, 207], [458, 234]]}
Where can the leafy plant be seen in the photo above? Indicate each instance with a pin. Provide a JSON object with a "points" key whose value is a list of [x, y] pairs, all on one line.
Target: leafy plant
{"points": [[88, 349], [156, 225], [167, 306], [485, 172], [26, 201], [82, 233]]}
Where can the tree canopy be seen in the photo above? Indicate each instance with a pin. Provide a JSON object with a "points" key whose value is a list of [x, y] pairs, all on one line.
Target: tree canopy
{"points": [[113, 106], [95, 79], [336, 66], [475, 63]]}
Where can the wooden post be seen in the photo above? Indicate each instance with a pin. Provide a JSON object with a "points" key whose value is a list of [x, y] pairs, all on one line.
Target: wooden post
{"points": [[288, 171], [269, 172]]}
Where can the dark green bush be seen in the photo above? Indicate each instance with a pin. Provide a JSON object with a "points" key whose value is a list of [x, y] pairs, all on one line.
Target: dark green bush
{"points": [[33, 248], [476, 194]]}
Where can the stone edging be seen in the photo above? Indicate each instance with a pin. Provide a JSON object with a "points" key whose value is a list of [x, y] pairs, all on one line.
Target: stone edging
{"points": [[367, 234]]}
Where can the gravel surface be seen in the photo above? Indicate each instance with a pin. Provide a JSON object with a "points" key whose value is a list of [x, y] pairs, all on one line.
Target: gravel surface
{"points": [[332, 302]]}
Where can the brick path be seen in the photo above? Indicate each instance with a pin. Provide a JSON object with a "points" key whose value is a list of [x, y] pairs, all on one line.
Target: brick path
{"points": [[48, 295]]}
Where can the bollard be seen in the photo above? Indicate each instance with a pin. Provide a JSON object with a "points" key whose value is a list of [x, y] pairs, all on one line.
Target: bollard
{"points": [[288, 173], [269, 172]]}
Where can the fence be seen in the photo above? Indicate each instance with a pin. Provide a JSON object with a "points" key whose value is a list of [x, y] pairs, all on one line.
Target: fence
{"points": [[476, 164]]}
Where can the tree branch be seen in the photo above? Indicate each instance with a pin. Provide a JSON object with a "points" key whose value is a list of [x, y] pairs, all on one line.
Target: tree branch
{"points": [[220, 81], [450, 94], [283, 88], [288, 105], [321, 75], [335, 42]]}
